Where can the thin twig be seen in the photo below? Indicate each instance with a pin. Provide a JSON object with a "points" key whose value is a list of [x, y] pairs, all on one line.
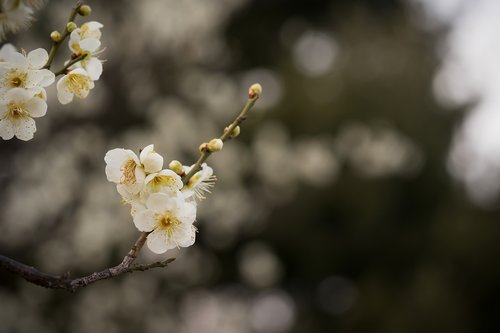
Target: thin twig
{"points": [[69, 64], [226, 135], [33, 275], [65, 33]]}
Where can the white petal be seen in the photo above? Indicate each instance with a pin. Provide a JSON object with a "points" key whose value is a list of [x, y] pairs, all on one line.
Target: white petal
{"points": [[25, 128], [186, 236], [36, 107], [18, 95], [90, 44], [187, 211], [6, 49], [160, 202], [94, 68], [114, 159], [63, 94], [139, 180], [38, 58], [157, 242], [79, 71], [152, 161], [16, 59], [144, 220], [93, 25], [47, 77], [127, 196], [144, 152], [6, 129]]}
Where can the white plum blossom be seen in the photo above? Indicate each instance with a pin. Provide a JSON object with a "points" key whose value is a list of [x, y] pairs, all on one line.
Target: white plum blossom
{"points": [[15, 15], [92, 65], [24, 71], [200, 183], [124, 168], [170, 219], [86, 39], [151, 160], [77, 82], [17, 110], [165, 181]]}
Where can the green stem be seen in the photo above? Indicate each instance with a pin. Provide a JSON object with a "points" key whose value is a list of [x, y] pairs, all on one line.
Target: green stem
{"points": [[206, 153], [55, 45], [71, 63]]}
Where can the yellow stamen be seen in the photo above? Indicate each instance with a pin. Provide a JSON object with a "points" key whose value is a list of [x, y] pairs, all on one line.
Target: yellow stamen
{"points": [[129, 173], [167, 222], [162, 181], [16, 111], [17, 80], [78, 84]]}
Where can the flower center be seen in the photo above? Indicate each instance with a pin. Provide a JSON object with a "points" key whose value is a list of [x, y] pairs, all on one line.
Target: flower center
{"points": [[78, 84], [17, 80], [162, 181], [16, 111], [167, 222], [129, 172]]}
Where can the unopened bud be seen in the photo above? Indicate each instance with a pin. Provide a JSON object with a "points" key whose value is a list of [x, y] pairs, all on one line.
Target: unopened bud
{"points": [[235, 132], [203, 147], [176, 167], [55, 36], [215, 145], [70, 26], [84, 10], [254, 91]]}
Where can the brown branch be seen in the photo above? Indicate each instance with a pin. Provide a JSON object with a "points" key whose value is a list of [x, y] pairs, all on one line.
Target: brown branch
{"points": [[33, 275]]}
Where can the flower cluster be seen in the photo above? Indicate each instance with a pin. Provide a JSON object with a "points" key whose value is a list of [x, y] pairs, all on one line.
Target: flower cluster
{"points": [[24, 77], [161, 204], [22, 91], [84, 42]]}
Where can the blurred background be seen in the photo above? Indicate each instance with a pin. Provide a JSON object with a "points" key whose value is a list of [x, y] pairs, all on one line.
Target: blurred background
{"points": [[361, 196]]}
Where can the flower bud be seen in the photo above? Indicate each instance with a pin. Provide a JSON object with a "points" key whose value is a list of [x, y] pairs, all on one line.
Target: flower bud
{"points": [[215, 145], [55, 36], [84, 10], [235, 132], [176, 167], [254, 91], [203, 147], [70, 26]]}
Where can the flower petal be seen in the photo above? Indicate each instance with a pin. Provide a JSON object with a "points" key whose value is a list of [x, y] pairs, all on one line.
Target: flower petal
{"points": [[18, 95], [16, 59], [36, 107], [64, 95], [38, 58], [47, 77], [160, 202], [90, 44], [6, 129], [94, 68], [25, 129], [186, 236], [144, 220], [114, 159], [157, 242]]}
